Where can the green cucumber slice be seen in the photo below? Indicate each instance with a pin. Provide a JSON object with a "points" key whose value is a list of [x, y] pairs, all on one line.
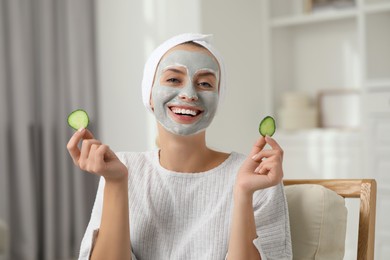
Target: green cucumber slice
{"points": [[78, 119], [267, 126]]}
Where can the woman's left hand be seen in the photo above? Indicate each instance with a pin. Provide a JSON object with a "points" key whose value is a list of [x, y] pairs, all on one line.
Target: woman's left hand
{"points": [[262, 168]]}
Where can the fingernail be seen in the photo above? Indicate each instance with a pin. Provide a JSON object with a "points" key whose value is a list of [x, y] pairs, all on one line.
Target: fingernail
{"points": [[81, 129], [254, 156], [257, 169]]}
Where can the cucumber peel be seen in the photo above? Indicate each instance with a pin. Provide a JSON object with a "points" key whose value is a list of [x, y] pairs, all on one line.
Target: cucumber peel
{"points": [[78, 119], [267, 126]]}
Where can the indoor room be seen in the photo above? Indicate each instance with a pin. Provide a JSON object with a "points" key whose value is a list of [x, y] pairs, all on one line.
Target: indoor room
{"points": [[319, 68]]}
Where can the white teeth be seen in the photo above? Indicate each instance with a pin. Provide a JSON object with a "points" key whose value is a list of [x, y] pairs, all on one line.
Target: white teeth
{"points": [[184, 111]]}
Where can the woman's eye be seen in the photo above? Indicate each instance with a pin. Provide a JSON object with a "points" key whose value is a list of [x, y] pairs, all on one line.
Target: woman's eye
{"points": [[173, 80], [205, 85]]}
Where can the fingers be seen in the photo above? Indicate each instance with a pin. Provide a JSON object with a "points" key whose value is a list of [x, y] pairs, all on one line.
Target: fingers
{"points": [[272, 143], [88, 154], [263, 168], [261, 142], [100, 154], [86, 148], [87, 134], [258, 146], [72, 145], [275, 151], [270, 160], [268, 157], [95, 162], [263, 154], [95, 158]]}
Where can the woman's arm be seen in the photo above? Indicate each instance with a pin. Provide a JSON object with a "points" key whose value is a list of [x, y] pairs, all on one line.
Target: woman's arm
{"points": [[113, 239], [243, 228], [261, 170]]}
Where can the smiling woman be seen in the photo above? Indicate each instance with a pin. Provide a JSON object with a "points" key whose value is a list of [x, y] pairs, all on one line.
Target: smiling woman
{"points": [[184, 200]]}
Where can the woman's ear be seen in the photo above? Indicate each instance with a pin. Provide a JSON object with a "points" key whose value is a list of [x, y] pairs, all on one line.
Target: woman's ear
{"points": [[151, 104]]}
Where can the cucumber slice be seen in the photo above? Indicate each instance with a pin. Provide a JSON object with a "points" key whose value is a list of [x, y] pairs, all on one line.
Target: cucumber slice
{"points": [[267, 126], [78, 119]]}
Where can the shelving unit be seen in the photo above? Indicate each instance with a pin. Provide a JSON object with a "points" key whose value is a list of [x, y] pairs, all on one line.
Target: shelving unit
{"points": [[334, 49], [309, 19]]}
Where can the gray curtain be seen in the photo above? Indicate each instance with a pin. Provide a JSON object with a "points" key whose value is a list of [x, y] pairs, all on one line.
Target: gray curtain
{"points": [[47, 69]]}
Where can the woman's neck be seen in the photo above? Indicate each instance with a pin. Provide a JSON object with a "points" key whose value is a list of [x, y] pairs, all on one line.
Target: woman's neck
{"points": [[187, 153]]}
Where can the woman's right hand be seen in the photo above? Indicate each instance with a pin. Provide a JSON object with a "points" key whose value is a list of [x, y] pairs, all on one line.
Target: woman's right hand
{"points": [[95, 157]]}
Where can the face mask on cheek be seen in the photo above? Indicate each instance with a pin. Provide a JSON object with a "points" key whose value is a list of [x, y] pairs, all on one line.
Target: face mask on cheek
{"points": [[171, 111]]}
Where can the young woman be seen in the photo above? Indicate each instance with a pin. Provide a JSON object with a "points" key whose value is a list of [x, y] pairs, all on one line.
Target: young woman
{"points": [[184, 200]]}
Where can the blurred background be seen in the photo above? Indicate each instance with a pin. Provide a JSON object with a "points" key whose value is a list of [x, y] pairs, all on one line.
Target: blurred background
{"points": [[320, 67]]}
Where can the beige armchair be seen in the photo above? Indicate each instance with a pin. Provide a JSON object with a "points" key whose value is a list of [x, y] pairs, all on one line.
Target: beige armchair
{"points": [[318, 217]]}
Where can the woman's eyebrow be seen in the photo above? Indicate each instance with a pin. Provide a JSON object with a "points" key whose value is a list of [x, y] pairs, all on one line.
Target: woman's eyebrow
{"points": [[181, 70], [206, 73]]}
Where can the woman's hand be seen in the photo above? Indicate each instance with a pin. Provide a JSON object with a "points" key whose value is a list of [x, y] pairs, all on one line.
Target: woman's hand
{"points": [[95, 157], [262, 168]]}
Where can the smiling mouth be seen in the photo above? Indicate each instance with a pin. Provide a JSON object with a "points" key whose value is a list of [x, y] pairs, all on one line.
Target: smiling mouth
{"points": [[185, 111]]}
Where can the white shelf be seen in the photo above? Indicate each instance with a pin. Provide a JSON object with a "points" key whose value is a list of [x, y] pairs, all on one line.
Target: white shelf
{"points": [[324, 16], [377, 8], [378, 84]]}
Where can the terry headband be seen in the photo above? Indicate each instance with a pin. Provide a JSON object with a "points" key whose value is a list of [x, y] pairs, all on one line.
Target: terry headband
{"points": [[154, 59]]}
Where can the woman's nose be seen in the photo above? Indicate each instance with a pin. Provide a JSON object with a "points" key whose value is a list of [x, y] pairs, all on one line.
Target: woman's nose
{"points": [[188, 93]]}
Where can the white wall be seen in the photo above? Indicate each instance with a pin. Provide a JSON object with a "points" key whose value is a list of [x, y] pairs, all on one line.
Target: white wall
{"points": [[127, 31], [237, 31]]}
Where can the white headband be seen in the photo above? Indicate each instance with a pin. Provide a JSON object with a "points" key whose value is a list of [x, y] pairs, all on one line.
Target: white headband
{"points": [[152, 63]]}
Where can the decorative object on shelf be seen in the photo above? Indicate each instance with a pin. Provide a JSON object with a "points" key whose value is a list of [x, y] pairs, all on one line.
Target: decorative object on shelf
{"points": [[300, 7], [297, 112], [339, 108], [307, 6]]}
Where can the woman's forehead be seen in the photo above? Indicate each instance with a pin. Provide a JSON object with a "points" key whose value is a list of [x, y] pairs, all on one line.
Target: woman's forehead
{"points": [[192, 61], [189, 55]]}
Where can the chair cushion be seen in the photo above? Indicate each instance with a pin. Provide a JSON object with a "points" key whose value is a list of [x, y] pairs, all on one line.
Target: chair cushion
{"points": [[318, 220]]}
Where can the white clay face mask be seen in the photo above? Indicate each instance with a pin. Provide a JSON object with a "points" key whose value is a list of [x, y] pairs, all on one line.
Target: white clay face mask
{"points": [[184, 101]]}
